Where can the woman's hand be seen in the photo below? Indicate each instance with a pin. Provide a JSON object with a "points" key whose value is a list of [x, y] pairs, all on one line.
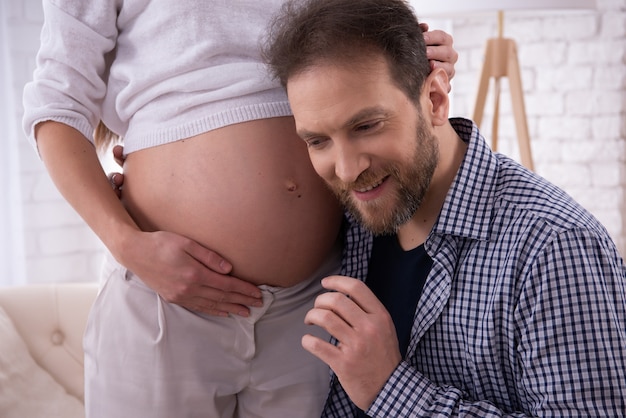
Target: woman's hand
{"points": [[439, 50], [182, 271]]}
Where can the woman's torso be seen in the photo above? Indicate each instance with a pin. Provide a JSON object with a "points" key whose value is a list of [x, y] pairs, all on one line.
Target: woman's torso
{"points": [[247, 191], [212, 151]]}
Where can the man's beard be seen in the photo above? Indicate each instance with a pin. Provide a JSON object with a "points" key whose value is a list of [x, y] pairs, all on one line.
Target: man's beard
{"points": [[386, 214]]}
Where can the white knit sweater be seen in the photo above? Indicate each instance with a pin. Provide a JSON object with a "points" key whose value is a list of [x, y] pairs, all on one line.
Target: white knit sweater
{"points": [[155, 71]]}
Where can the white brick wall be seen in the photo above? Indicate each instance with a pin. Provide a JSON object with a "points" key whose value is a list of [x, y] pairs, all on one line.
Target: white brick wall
{"points": [[574, 76], [574, 79]]}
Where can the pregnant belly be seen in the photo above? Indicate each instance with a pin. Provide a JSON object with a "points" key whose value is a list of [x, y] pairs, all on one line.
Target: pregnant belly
{"points": [[247, 191]]}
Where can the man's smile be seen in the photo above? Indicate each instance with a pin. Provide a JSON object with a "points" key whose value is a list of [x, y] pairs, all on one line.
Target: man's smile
{"points": [[370, 187]]}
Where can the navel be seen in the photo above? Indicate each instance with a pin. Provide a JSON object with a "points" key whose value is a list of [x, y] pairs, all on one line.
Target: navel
{"points": [[292, 187]]}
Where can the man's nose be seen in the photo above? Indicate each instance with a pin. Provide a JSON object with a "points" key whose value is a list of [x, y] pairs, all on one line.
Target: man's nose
{"points": [[350, 162]]}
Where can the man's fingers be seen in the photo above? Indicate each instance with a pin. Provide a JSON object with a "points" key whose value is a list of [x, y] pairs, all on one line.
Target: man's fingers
{"points": [[340, 305], [358, 292], [333, 322], [324, 350]]}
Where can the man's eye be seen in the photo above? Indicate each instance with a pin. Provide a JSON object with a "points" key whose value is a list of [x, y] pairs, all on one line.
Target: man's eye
{"points": [[368, 126], [315, 142]]}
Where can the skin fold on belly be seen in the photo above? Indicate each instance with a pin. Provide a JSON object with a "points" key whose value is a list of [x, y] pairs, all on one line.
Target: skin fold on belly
{"points": [[247, 192]]}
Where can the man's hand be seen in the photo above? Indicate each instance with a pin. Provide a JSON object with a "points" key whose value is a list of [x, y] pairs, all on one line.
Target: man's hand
{"points": [[367, 352], [182, 271], [440, 51]]}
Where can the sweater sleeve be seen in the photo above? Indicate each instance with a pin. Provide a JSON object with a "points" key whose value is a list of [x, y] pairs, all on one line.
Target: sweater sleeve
{"points": [[69, 82]]}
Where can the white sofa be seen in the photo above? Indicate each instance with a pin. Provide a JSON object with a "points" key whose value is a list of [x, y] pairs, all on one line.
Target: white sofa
{"points": [[41, 355]]}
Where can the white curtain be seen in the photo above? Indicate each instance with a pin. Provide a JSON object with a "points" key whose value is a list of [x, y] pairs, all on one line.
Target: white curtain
{"points": [[12, 265]]}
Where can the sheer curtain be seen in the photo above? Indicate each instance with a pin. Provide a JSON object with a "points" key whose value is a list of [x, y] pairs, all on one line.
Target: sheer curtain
{"points": [[11, 232]]}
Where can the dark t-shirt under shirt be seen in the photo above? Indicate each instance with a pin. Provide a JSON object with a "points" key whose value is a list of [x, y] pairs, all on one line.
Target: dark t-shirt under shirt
{"points": [[397, 277]]}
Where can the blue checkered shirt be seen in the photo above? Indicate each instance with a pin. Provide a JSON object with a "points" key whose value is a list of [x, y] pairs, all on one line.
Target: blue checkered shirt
{"points": [[523, 312]]}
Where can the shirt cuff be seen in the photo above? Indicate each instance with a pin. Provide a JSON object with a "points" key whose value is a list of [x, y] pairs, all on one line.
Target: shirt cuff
{"points": [[405, 391]]}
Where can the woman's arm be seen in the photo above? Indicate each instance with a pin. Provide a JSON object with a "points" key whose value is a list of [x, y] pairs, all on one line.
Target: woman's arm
{"points": [[179, 269]]}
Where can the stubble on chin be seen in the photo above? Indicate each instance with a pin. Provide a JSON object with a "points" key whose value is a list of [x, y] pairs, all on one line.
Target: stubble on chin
{"points": [[384, 215]]}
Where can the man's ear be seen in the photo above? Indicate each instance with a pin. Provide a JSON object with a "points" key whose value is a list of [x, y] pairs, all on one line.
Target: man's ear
{"points": [[435, 95]]}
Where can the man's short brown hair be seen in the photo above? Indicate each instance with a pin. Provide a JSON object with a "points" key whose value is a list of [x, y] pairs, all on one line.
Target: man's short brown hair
{"points": [[309, 32]]}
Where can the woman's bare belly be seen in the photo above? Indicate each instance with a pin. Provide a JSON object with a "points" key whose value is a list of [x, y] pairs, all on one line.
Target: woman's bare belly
{"points": [[246, 191]]}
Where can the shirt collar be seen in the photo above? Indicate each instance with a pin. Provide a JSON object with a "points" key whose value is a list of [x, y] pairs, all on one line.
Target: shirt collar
{"points": [[468, 207]]}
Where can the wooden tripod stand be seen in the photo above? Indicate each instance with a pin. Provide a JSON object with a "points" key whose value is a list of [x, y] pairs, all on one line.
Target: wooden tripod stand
{"points": [[501, 61]]}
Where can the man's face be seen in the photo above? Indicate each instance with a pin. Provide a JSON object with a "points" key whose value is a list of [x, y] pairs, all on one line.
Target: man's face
{"points": [[366, 139]]}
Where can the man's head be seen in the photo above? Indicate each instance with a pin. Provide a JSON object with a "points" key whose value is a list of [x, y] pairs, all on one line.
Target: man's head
{"points": [[306, 33], [364, 101]]}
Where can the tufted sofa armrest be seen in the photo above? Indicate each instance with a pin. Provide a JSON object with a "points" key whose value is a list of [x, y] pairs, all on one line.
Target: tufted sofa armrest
{"points": [[51, 320]]}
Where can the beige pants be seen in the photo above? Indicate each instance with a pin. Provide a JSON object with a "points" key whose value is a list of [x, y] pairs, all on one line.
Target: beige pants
{"points": [[147, 358]]}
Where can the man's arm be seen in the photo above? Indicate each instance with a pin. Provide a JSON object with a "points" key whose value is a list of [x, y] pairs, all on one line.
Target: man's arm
{"points": [[367, 361], [179, 269], [571, 349], [572, 360]]}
